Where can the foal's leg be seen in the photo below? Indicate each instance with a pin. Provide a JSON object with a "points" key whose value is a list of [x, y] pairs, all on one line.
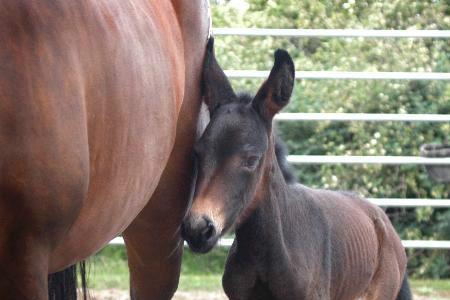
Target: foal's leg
{"points": [[239, 278], [386, 283], [388, 278]]}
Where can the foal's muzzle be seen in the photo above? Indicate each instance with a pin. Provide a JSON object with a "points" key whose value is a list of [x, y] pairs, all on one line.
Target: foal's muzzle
{"points": [[200, 233]]}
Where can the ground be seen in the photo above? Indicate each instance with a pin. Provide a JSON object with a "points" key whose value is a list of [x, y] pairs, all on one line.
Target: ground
{"points": [[116, 294]]}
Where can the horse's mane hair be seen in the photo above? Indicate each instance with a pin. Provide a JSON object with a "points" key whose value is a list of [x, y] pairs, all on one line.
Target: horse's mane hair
{"points": [[280, 147], [245, 98], [281, 154]]}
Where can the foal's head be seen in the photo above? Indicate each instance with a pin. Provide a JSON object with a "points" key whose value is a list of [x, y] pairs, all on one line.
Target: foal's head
{"points": [[235, 150]]}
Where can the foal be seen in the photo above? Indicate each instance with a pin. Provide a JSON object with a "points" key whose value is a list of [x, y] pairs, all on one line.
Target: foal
{"points": [[292, 242]]}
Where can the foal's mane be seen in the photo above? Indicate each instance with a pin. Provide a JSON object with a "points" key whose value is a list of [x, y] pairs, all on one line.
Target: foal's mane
{"points": [[280, 147]]}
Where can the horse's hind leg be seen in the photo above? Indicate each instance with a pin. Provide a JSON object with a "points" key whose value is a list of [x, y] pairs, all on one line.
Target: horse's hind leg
{"points": [[153, 239], [23, 268], [386, 286], [31, 223], [41, 193], [388, 278], [154, 250]]}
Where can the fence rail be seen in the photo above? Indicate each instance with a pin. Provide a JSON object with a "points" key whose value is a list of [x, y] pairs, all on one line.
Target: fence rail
{"points": [[415, 244], [362, 117], [410, 203], [426, 244], [345, 75], [388, 202], [383, 160], [343, 33]]}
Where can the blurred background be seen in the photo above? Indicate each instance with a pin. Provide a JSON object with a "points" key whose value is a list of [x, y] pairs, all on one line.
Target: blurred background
{"points": [[430, 269]]}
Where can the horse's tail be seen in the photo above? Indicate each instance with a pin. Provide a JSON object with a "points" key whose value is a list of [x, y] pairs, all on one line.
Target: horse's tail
{"points": [[405, 291], [63, 285]]}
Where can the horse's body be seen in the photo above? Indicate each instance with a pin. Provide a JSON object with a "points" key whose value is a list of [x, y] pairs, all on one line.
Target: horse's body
{"points": [[98, 109], [292, 242], [301, 243]]}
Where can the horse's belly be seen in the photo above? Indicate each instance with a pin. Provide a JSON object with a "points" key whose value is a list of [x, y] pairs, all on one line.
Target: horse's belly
{"points": [[132, 108], [356, 253]]}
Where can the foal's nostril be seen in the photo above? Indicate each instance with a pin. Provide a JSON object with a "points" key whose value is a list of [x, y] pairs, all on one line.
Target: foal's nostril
{"points": [[200, 233], [209, 231]]}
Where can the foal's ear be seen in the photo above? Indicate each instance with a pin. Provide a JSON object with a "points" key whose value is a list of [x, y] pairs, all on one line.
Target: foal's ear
{"points": [[276, 91], [216, 88]]}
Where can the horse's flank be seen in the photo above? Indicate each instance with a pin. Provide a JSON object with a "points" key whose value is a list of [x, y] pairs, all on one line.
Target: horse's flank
{"points": [[91, 94], [129, 121]]}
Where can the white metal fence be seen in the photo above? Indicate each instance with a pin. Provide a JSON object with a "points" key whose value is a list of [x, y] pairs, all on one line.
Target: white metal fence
{"points": [[419, 244], [341, 33], [392, 160], [345, 75], [362, 117]]}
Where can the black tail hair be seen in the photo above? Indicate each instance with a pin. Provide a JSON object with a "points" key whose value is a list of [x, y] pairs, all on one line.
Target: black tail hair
{"points": [[405, 291], [63, 285]]}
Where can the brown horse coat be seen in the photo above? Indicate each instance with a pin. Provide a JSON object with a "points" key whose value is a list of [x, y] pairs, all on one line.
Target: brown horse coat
{"points": [[98, 105]]}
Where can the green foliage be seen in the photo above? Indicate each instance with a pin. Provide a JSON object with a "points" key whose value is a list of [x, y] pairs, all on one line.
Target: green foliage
{"points": [[376, 96]]}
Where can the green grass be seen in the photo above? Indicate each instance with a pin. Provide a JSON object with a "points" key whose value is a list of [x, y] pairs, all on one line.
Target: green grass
{"points": [[207, 282], [432, 287], [109, 269], [202, 272]]}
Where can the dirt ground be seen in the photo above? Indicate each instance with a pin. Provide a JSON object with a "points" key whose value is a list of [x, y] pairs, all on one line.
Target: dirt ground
{"points": [[114, 294]]}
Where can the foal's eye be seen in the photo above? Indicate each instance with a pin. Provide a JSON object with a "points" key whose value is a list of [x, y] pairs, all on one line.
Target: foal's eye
{"points": [[251, 162]]}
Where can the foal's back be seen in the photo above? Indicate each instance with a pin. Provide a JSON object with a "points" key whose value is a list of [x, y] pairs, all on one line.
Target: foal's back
{"points": [[363, 246]]}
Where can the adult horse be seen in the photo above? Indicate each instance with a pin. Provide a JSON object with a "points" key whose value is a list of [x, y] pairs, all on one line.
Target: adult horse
{"points": [[98, 108]]}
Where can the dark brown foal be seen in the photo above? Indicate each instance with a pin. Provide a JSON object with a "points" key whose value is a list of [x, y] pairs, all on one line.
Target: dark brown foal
{"points": [[292, 242]]}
